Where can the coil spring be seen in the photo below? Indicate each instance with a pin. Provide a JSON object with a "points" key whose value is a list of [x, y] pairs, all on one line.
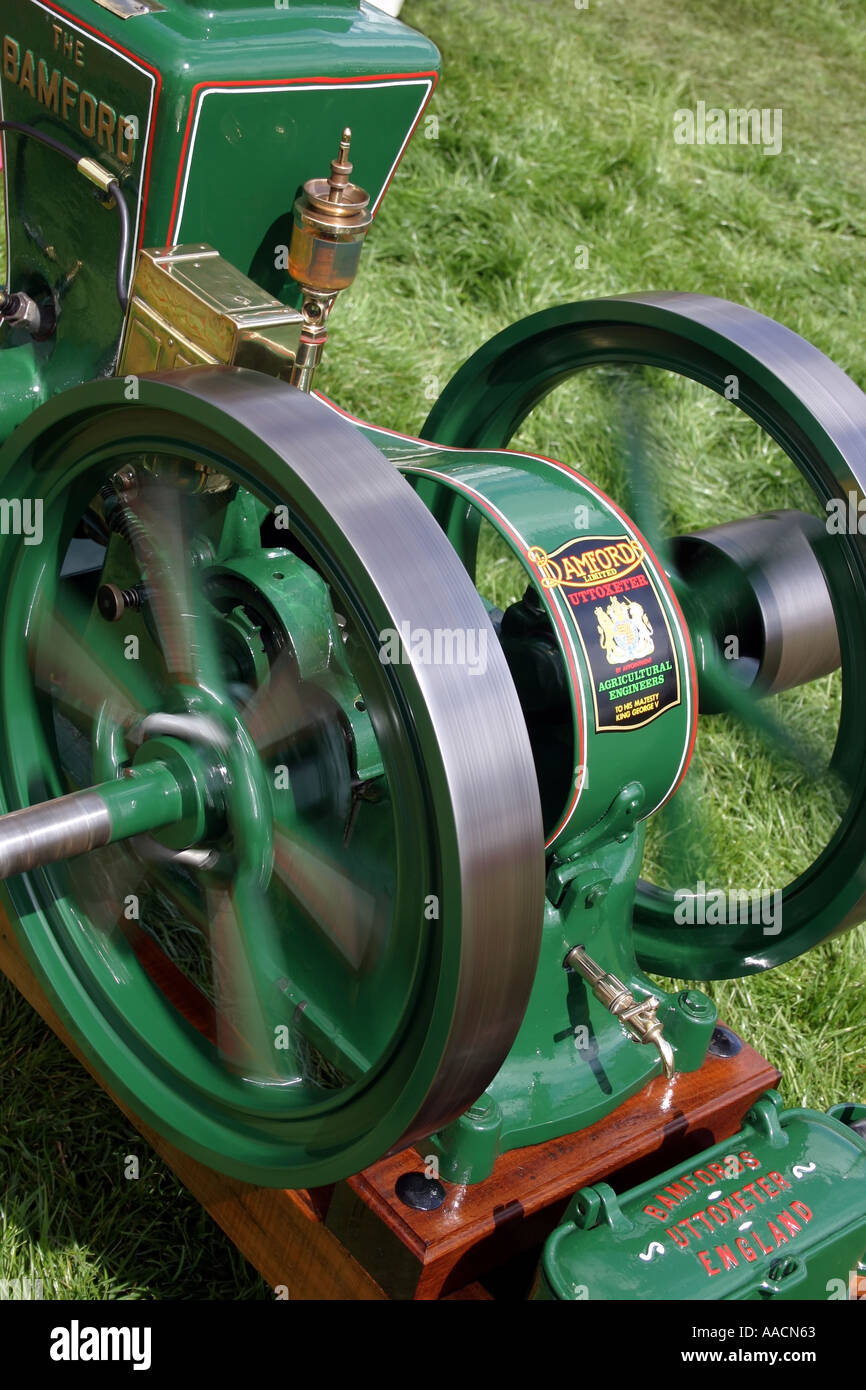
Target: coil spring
{"points": [[122, 520]]}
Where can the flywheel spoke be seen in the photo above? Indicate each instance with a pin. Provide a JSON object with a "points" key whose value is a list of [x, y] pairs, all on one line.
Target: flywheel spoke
{"points": [[70, 663], [351, 915], [252, 1032]]}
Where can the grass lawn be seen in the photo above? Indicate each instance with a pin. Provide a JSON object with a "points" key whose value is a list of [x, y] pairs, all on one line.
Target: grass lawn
{"points": [[553, 176]]}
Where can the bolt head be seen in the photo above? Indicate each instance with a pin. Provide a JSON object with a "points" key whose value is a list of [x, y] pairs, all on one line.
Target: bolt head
{"points": [[110, 602], [418, 1191]]}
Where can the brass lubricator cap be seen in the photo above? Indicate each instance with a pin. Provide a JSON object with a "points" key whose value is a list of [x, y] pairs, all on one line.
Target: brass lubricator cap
{"points": [[336, 197], [331, 217]]}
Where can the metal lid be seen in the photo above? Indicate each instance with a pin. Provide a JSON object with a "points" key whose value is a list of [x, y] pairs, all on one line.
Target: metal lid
{"points": [[776, 1210]]}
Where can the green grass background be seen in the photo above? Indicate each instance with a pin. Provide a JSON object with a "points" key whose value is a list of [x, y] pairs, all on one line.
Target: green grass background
{"points": [[555, 131]]}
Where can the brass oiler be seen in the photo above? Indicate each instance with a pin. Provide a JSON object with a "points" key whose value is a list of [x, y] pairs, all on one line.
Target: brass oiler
{"points": [[331, 217]]}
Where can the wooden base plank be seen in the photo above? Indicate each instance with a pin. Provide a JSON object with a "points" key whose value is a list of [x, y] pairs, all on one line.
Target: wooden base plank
{"points": [[429, 1254]]}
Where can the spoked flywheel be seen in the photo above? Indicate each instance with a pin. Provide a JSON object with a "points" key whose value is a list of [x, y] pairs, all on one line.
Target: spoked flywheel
{"points": [[281, 876], [739, 451]]}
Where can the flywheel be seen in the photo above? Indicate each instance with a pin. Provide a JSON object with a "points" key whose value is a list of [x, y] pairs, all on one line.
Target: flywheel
{"points": [[247, 673], [739, 451]]}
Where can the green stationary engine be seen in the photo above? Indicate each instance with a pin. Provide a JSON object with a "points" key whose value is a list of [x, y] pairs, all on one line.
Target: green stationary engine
{"points": [[318, 849]]}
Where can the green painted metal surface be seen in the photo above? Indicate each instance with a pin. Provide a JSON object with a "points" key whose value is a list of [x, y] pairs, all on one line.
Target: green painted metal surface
{"points": [[572, 1063], [153, 796], [777, 1212], [211, 117]]}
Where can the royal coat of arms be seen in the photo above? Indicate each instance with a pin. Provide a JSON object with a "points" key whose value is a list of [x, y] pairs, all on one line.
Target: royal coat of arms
{"points": [[625, 632]]}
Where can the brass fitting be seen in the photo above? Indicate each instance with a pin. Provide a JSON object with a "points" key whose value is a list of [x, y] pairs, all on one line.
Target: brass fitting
{"points": [[637, 1016], [331, 220], [97, 174], [331, 217]]}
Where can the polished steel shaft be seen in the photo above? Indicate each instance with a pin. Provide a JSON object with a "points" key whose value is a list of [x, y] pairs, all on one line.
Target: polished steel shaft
{"points": [[85, 820], [52, 830]]}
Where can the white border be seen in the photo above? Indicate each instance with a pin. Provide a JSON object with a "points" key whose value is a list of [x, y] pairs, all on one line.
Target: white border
{"points": [[89, 37], [287, 88]]}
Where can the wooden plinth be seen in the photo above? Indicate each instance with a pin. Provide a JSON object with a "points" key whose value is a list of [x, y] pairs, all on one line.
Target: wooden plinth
{"points": [[428, 1255], [358, 1240]]}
